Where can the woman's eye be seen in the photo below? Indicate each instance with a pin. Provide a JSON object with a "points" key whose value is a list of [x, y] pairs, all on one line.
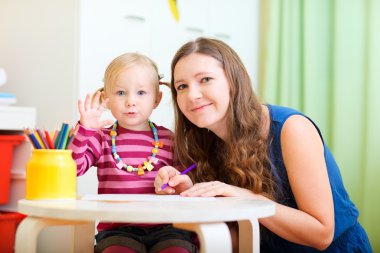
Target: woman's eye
{"points": [[205, 79], [181, 87], [120, 93], [141, 92]]}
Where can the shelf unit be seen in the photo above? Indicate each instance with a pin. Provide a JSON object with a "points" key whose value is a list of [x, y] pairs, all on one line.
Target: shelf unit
{"points": [[13, 120]]}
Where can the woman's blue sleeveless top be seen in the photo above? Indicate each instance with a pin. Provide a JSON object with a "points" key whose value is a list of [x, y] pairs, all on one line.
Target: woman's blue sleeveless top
{"points": [[349, 235]]}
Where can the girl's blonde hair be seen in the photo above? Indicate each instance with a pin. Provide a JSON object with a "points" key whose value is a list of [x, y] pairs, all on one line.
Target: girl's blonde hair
{"points": [[241, 160], [129, 60]]}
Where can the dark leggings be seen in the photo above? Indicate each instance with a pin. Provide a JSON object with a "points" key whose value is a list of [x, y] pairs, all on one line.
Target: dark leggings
{"points": [[162, 239]]}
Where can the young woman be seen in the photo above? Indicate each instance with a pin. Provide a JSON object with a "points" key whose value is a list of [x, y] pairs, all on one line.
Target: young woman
{"points": [[244, 148]]}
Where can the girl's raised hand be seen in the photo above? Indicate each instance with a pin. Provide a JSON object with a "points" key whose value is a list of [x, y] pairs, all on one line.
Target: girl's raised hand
{"points": [[91, 111], [176, 183]]}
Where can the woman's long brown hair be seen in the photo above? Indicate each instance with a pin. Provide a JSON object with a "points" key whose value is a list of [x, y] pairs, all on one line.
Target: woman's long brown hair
{"points": [[241, 160]]}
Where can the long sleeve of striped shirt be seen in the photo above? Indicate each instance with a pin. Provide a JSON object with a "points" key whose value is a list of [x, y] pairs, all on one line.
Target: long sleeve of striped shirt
{"points": [[86, 148]]}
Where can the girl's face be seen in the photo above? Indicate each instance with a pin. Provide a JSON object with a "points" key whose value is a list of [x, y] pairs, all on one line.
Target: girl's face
{"points": [[203, 92], [133, 96]]}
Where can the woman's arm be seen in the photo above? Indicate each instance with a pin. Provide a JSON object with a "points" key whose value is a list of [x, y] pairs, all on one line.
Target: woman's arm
{"points": [[312, 224]]}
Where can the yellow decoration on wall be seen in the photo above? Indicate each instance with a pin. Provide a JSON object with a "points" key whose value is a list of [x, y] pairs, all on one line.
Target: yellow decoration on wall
{"points": [[174, 9]]}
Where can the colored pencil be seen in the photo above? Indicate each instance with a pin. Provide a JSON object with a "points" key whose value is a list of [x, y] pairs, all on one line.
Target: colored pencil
{"points": [[63, 138], [71, 137], [53, 135], [37, 136], [48, 139], [182, 173], [58, 139], [34, 140], [42, 137], [27, 135]]}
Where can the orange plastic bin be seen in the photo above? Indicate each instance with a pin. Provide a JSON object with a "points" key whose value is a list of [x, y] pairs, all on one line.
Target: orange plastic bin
{"points": [[7, 142], [8, 225]]}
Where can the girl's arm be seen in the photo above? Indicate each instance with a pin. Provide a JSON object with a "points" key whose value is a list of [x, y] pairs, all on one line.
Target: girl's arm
{"points": [[176, 183], [312, 224], [87, 142], [86, 147]]}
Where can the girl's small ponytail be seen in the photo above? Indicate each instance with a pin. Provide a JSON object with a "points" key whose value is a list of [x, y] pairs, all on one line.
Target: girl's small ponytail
{"points": [[164, 83], [160, 76]]}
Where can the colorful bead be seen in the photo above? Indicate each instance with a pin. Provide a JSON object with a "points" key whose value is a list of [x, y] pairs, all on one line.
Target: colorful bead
{"points": [[147, 164], [119, 165], [140, 170], [153, 160], [159, 144]]}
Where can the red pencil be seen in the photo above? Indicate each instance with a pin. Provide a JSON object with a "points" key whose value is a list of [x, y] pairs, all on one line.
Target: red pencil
{"points": [[48, 139]]}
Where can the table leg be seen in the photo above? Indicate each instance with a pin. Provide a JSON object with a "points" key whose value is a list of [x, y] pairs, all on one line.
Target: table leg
{"points": [[213, 237], [84, 236], [249, 236], [29, 229]]}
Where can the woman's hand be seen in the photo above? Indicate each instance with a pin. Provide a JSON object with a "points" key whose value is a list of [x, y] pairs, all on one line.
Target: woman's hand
{"points": [[90, 112], [176, 183], [217, 188]]}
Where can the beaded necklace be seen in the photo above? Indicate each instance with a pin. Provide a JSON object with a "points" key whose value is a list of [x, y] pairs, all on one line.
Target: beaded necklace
{"points": [[147, 165]]}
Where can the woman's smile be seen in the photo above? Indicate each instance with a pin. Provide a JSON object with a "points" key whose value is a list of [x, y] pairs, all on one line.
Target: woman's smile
{"points": [[200, 107]]}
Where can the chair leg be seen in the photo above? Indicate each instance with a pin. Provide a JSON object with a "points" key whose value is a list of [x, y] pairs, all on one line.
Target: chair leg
{"points": [[213, 237], [29, 229], [84, 237], [249, 236]]}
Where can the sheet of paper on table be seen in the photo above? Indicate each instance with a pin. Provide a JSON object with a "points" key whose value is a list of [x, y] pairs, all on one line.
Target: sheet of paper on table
{"points": [[143, 197]]}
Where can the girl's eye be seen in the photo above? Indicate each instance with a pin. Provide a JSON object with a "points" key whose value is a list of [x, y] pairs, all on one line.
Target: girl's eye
{"points": [[205, 79], [181, 87], [141, 92], [120, 93]]}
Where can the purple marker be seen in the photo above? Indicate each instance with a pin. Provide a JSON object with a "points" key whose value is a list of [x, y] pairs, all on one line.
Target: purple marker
{"points": [[182, 173]]}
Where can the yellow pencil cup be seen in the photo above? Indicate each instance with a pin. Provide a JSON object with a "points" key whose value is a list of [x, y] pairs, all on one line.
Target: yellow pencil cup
{"points": [[51, 174]]}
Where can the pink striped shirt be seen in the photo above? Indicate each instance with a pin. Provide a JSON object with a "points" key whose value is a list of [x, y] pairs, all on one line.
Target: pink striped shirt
{"points": [[93, 148]]}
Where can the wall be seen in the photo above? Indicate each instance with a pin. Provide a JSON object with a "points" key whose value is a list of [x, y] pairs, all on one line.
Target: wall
{"points": [[38, 50]]}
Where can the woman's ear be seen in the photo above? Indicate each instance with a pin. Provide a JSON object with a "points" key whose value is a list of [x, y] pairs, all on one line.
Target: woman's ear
{"points": [[158, 99]]}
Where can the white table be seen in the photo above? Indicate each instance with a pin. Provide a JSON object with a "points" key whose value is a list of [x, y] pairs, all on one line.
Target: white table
{"points": [[205, 217]]}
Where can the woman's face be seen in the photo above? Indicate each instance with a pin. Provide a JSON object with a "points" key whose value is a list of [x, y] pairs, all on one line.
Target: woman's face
{"points": [[203, 92]]}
